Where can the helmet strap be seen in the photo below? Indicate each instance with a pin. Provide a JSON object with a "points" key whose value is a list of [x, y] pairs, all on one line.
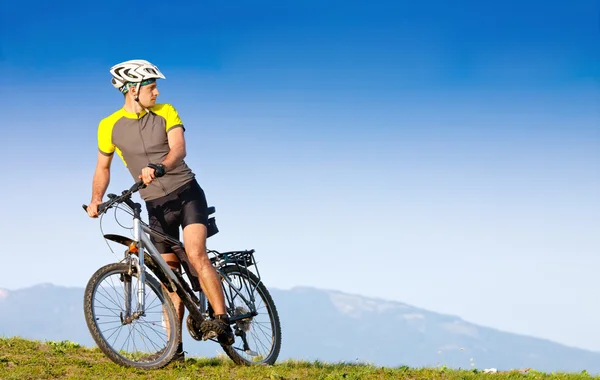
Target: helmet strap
{"points": [[137, 96], [137, 92]]}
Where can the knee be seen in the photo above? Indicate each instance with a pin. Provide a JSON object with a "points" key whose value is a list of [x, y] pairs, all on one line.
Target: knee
{"points": [[200, 258]]}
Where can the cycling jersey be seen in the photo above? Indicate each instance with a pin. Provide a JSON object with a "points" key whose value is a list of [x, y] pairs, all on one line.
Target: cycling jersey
{"points": [[140, 139]]}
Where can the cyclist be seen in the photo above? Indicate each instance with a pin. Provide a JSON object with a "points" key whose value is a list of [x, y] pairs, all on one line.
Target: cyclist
{"points": [[149, 138]]}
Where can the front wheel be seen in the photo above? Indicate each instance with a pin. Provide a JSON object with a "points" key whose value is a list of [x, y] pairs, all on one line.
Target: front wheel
{"points": [[146, 342], [258, 338]]}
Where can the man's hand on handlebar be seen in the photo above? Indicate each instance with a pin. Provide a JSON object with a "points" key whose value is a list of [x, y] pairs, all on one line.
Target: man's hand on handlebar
{"points": [[147, 175], [92, 209], [151, 172], [97, 207]]}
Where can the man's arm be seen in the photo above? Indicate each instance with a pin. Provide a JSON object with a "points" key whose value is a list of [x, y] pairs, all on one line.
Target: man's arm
{"points": [[101, 177], [177, 150]]}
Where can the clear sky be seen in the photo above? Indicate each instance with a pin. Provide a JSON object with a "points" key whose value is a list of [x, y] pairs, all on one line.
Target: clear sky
{"points": [[443, 154]]}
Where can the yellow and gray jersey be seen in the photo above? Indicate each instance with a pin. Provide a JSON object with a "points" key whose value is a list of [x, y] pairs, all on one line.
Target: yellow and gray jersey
{"points": [[140, 139]]}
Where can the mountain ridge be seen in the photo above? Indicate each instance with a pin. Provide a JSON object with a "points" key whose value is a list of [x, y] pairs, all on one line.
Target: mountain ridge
{"points": [[429, 311]]}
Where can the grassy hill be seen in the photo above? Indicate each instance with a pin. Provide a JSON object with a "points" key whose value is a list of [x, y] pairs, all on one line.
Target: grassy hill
{"points": [[27, 359]]}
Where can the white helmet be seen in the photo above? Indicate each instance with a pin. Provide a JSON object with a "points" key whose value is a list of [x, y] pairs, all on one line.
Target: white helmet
{"points": [[134, 71]]}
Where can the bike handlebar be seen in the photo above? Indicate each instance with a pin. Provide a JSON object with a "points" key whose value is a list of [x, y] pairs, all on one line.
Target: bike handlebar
{"points": [[114, 199]]}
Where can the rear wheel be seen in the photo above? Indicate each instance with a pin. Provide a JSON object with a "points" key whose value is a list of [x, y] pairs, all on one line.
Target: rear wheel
{"points": [[147, 342], [262, 332]]}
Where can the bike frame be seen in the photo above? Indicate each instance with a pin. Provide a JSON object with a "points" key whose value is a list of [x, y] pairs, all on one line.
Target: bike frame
{"points": [[171, 279]]}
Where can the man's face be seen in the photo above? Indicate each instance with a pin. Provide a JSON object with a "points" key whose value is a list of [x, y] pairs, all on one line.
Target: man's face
{"points": [[148, 95]]}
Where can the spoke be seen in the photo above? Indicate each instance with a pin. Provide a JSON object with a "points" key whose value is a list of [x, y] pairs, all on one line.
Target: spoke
{"points": [[106, 307], [104, 323], [255, 337], [149, 339], [158, 332], [117, 293], [261, 329], [127, 339], [117, 337], [108, 296], [152, 303]]}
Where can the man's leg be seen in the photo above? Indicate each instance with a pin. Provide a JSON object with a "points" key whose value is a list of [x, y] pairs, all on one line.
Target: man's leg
{"points": [[194, 238], [167, 224], [174, 264], [194, 219]]}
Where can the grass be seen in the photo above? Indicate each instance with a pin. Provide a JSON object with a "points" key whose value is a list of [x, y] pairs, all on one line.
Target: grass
{"points": [[29, 359]]}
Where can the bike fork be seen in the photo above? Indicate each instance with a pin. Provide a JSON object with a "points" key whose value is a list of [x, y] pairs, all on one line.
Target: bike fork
{"points": [[138, 264], [137, 232]]}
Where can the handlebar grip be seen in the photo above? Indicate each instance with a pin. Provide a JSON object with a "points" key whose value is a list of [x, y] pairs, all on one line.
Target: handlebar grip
{"points": [[101, 207]]}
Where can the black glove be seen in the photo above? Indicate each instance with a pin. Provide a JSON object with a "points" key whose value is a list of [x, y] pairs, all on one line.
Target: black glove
{"points": [[159, 169]]}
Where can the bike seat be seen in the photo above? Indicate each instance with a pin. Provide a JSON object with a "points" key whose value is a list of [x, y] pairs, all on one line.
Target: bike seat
{"points": [[211, 210]]}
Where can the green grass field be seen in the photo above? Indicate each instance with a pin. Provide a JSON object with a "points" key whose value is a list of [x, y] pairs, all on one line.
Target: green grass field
{"points": [[26, 359]]}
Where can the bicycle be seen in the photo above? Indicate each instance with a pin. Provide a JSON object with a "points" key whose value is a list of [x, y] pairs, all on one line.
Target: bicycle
{"points": [[143, 267]]}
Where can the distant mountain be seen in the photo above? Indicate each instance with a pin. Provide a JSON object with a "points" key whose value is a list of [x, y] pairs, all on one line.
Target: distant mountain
{"points": [[329, 326]]}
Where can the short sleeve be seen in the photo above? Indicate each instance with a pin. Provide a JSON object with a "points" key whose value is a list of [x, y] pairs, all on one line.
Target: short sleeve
{"points": [[105, 145], [172, 117]]}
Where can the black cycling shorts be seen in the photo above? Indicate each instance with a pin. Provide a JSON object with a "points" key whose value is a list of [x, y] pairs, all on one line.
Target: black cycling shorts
{"points": [[186, 205]]}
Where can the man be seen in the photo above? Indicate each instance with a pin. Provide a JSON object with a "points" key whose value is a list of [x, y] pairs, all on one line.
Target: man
{"points": [[150, 137]]}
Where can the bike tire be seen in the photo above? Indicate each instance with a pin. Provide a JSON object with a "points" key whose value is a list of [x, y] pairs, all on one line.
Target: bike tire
{"points": [[161, 293], [262, 291]]}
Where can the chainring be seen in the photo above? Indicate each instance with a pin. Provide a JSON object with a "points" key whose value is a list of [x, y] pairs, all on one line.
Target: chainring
{"points": [[193, 329]]}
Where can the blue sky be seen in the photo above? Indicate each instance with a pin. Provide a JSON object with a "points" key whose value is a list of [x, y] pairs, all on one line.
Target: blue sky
{"points": [[443, 155]]}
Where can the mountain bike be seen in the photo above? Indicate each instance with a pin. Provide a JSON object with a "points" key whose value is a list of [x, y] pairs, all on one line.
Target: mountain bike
{"points": [[136, 297]]}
